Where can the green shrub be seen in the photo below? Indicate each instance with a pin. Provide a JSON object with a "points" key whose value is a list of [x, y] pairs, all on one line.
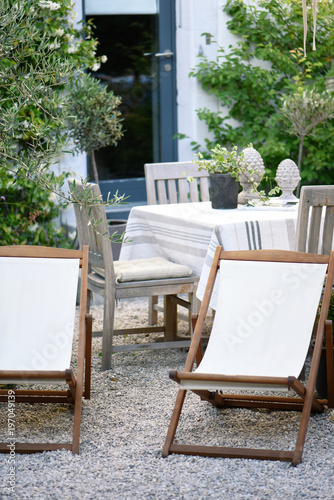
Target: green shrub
{"points": [[27, 214], [271, 32]]}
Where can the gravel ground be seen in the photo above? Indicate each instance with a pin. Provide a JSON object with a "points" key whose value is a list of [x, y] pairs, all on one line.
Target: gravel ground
{"points": [[123, 430]]}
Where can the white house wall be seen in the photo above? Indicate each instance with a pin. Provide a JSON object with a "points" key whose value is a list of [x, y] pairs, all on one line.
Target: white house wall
{"points": [[193, 18]]}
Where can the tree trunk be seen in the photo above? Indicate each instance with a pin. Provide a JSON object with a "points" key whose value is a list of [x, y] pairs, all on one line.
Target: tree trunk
{"points": [[300, 155], [94, 167]]}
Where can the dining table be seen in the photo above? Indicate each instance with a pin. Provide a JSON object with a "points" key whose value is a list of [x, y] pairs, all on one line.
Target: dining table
{"points": [[188, 233]]}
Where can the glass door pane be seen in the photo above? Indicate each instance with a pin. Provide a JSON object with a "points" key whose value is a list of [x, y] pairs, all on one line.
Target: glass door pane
{"points": [[129, 41]]}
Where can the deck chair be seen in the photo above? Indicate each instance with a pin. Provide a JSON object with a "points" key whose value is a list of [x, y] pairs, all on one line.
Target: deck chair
{"points": [[38, 302], [267, 304], [316, 204], [128, 279], [168, 183]]}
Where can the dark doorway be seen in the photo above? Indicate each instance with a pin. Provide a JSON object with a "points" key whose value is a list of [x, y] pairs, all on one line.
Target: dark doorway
{"points": [[129, 41]]}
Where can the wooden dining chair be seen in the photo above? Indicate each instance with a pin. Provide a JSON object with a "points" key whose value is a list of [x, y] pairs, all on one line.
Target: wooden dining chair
{"points": [[257, 347], [315, 220], [38, 299], [168, 183], [128, 279]]}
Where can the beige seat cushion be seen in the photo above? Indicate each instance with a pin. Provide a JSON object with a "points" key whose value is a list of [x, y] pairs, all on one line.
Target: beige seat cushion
{"points": [[154, 268]]}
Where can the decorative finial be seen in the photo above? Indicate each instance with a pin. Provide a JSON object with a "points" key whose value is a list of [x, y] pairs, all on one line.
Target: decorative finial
{"points": [[287, 178]]}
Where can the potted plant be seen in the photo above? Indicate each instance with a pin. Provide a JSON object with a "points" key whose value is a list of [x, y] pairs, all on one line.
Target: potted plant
{"points": [[225, 168]]}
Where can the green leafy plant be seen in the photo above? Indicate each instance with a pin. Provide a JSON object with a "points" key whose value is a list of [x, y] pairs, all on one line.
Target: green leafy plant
{"points": [[251, 78], [228, 161], [94, 120], [223, 161], [27, 215], [41, 51], [305, 110]]}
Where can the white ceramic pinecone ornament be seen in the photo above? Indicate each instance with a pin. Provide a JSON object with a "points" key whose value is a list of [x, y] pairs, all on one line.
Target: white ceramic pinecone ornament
{"points": [[253, 161], [287, 178]]}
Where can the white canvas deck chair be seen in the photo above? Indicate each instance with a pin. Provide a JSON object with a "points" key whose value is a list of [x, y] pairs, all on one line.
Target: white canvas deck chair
{"points": [[38, 297], [266, 307]]}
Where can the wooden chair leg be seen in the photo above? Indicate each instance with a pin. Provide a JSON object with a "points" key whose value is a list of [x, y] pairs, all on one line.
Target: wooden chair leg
{"points": [[77, 420], [88, 355], [108, 329], [89, 300], [170, 318], [174, 422], [152, 312], [329, 363], [199, 354]]}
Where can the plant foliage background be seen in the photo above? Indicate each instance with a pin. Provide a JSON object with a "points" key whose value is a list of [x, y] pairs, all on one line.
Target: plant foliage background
{"points": [[266, 67], [41, 51]]}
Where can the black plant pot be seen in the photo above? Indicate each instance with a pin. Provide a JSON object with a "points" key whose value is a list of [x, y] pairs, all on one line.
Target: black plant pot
{"points": [[224, 191], [321, 382], [118, 227]]}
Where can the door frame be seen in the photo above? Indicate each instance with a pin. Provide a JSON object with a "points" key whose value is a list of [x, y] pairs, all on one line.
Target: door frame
{"points": [[167, 81]]}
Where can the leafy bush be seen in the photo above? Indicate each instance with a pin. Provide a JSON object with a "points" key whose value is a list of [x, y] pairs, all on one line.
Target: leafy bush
{"points": [[271, 32], [27, 215], [41, 51], [94, 119]]}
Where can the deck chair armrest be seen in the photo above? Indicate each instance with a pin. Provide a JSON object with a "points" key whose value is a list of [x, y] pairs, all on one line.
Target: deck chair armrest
{"points": [[88, 355]]}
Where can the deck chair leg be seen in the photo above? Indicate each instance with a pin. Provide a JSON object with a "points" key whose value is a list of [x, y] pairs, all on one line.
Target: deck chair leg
{"points": [[329, 363], [77, 419], [174, 422], [152, 312], [297, 455]]}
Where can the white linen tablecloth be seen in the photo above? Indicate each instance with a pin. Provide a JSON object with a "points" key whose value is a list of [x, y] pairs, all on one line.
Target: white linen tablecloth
{"points": [[188, 233]]}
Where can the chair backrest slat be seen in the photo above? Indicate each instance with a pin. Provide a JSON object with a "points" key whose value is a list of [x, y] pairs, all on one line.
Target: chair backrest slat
{"points": [[171, 190], [328, 231], [168, 183], [314, 230], [315, 222], [92, 226]]}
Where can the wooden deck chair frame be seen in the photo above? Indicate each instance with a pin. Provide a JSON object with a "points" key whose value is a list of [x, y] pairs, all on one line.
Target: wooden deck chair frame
{"points": [[79, 383], [100, 256], [315, 203], [305, 400], [168, 183]]}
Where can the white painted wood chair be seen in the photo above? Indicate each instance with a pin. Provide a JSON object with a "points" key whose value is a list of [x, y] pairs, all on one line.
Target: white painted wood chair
{"points": [[128, 279], [38, 297], [168, 183], [315, 221], [258, 345]]}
